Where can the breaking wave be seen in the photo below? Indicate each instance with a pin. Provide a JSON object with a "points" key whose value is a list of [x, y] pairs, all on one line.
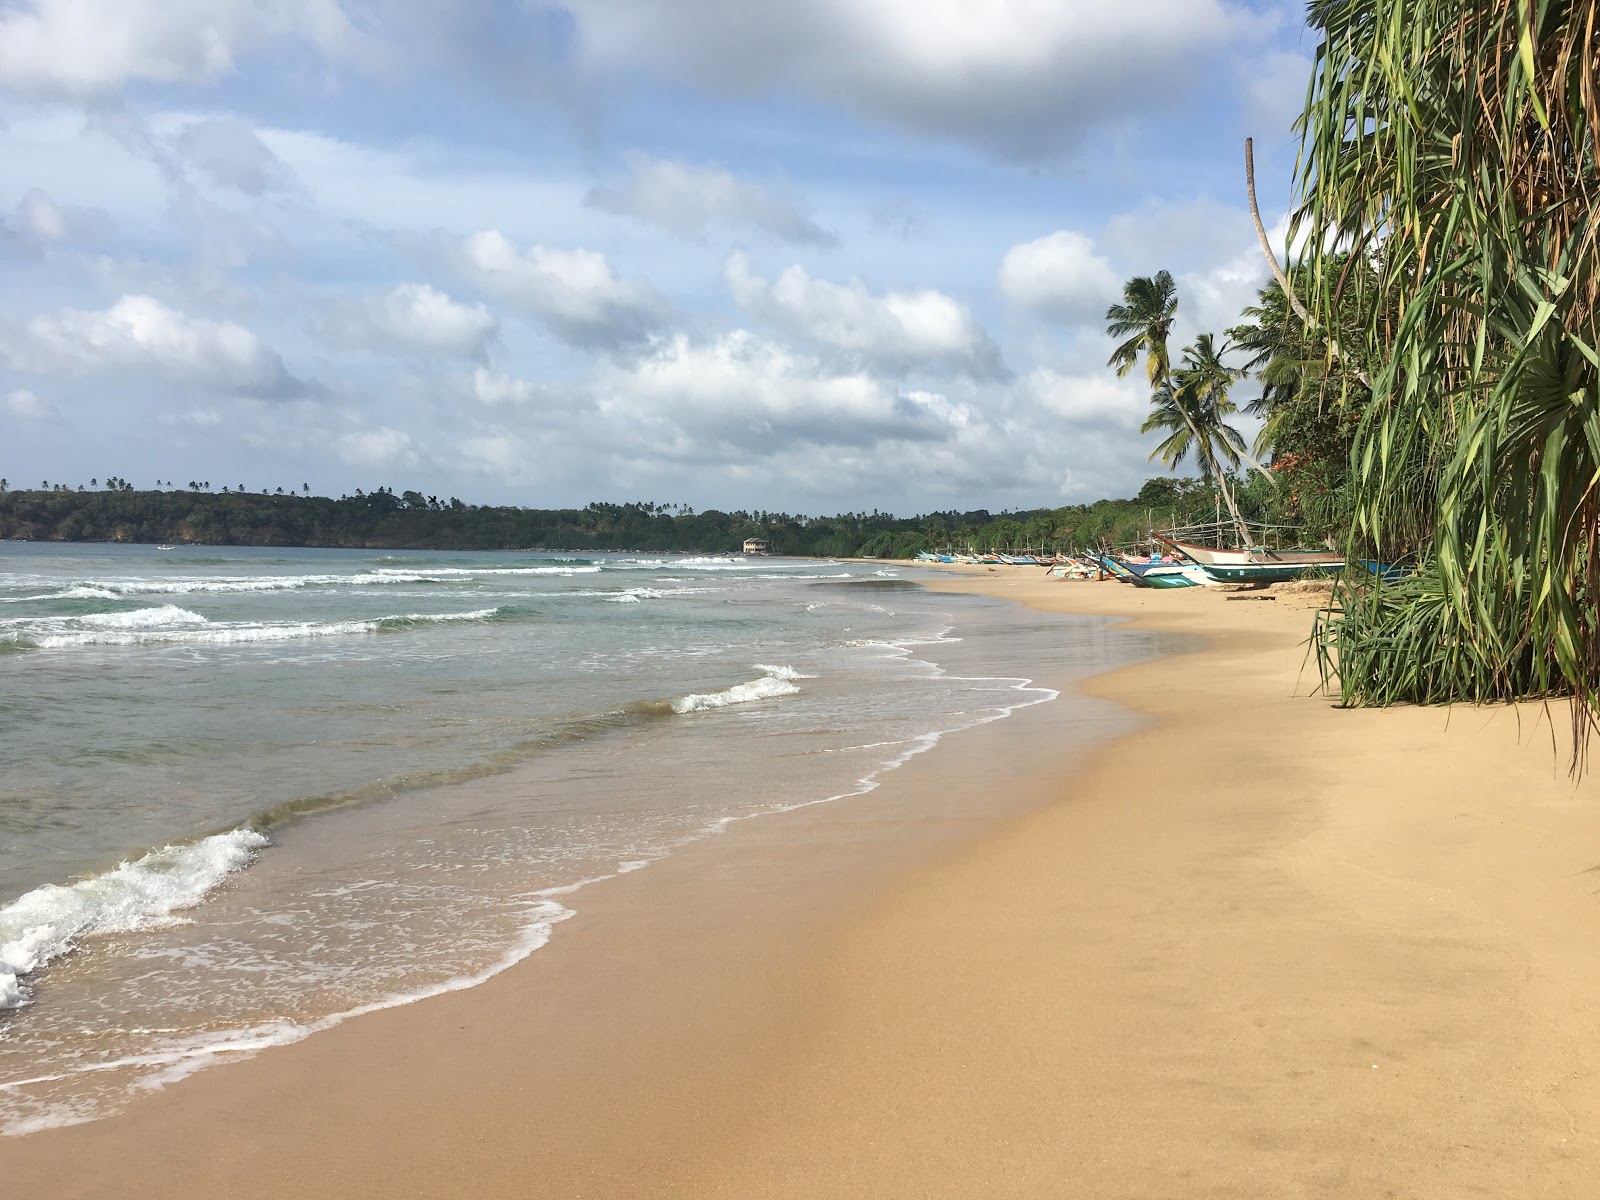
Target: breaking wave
{"points": [[48, 922], [170, 625]]}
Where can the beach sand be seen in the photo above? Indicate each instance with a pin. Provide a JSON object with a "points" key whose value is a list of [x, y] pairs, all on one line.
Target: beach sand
{"points": [[1257, 947]]}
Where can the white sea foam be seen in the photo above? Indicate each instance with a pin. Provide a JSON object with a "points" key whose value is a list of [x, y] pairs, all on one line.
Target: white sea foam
{"points": [[49, 921], [169, 625], [76, 592], [634, 595], [774, 682], [113, 589], [165, 616], [387, 574], [180, 1059]]}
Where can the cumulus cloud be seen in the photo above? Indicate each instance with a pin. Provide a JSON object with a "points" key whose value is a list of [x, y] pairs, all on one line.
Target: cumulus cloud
{"points": [[1275, 91], [411, 318], [231, 154], [1094, 397], [494, 389], [140, 334], [686, 200], [1021, 77], [577, 294], [378, 447], [38, 222], [1060, 276], [500, 455], [744, 392], [94, 47], [24, 405], [895, 330]]}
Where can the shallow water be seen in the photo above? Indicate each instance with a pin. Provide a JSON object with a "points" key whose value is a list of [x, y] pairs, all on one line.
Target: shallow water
{"points": [[341, 780]]}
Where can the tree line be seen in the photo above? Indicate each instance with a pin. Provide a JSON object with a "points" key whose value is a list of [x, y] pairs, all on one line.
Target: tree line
{"points": [[384, 519]]}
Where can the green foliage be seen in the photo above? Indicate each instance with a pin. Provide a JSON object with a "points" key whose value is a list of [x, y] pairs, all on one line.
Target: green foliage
{"points": [[1452, 146], [380, 519]]}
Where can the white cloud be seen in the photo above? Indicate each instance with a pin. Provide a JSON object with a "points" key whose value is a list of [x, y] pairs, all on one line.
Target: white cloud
{"points": [[742, 391], [896, 329], [493, 389], [1060, 276], [379, 447], [90, 47], [38, 221], [39, 218], [231, 154], [686, 200], [27, 406], [501, 455], [412, 318], [140, 334], [197, 418], [1095, 397], [576, 293], [1015, 76], [1275, 91]]}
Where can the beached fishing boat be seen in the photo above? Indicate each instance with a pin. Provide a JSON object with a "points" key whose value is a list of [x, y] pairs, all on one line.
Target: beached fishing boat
{"points": [[1269, 572], [1213, 556], [1173, 576], [1205, 554]]}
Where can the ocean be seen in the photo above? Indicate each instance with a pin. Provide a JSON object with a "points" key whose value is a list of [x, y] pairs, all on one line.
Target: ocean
{"points": [[247, 794]]}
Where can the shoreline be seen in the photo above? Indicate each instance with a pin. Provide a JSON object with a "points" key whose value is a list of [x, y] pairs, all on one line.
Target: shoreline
{"points": [[1111, 995]]}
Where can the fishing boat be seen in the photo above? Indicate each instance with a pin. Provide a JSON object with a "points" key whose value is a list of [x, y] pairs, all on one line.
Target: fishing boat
{"points": [[1205, 554], [1269, 572], [1213, 556], [1175, 575]]}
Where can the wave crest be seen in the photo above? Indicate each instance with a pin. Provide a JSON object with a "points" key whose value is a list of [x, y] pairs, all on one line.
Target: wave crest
{"points": [[48, 922]]}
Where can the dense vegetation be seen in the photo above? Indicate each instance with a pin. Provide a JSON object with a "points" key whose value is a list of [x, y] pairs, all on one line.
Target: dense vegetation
{"points": [[382, 518], [1431, 367], [1450, 148]]}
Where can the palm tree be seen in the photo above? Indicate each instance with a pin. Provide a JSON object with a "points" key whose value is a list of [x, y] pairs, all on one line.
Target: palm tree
{"points": [[1192, 409], [1144, 321]]}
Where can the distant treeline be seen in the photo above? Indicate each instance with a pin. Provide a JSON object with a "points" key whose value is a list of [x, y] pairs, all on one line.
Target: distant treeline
{"points": [[382, 519]]}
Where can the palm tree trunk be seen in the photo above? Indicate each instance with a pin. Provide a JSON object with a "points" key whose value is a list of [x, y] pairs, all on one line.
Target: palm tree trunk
{"points": [[1240, 529], [1201, 447]]}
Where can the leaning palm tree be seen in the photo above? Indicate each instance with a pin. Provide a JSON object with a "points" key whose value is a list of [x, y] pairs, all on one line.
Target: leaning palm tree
{"points": [[1192, 409], [1144, 324], [1452, 143]]}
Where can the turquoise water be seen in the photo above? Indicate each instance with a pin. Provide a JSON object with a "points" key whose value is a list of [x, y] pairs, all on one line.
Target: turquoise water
{"points": [[248, 793]]}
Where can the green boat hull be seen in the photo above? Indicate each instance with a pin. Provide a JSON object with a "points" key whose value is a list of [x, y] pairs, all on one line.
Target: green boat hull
{"points": [[1269, 572]]}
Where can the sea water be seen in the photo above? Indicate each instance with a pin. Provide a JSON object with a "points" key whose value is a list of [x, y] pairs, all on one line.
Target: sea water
{"points": [[246, 794]]}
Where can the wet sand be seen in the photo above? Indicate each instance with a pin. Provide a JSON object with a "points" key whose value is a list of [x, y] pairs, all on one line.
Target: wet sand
{"points": [[1259, 947]]}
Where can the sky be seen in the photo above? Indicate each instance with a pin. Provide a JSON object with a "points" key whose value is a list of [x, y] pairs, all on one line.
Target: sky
{"points": [[813, 256]]}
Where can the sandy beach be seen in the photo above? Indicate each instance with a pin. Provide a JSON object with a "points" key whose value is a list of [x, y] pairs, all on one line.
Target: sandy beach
{"points": [[1251, 946]]}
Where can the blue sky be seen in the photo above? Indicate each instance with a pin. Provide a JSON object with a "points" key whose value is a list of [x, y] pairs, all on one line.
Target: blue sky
{"points": [[812, 255]]}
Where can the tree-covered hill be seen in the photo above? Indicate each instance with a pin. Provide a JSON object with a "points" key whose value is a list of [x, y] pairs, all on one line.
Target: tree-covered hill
{"points": [[410, 520]]}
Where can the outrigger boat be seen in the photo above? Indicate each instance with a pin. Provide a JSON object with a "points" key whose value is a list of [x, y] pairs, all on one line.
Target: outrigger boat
{"points": [[1270, 572], [1209, 556]]}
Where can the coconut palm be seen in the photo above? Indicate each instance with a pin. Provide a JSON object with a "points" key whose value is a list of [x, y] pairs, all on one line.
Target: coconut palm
{"points": [[1144, 323], [1192, 409], [1144, 320]]}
